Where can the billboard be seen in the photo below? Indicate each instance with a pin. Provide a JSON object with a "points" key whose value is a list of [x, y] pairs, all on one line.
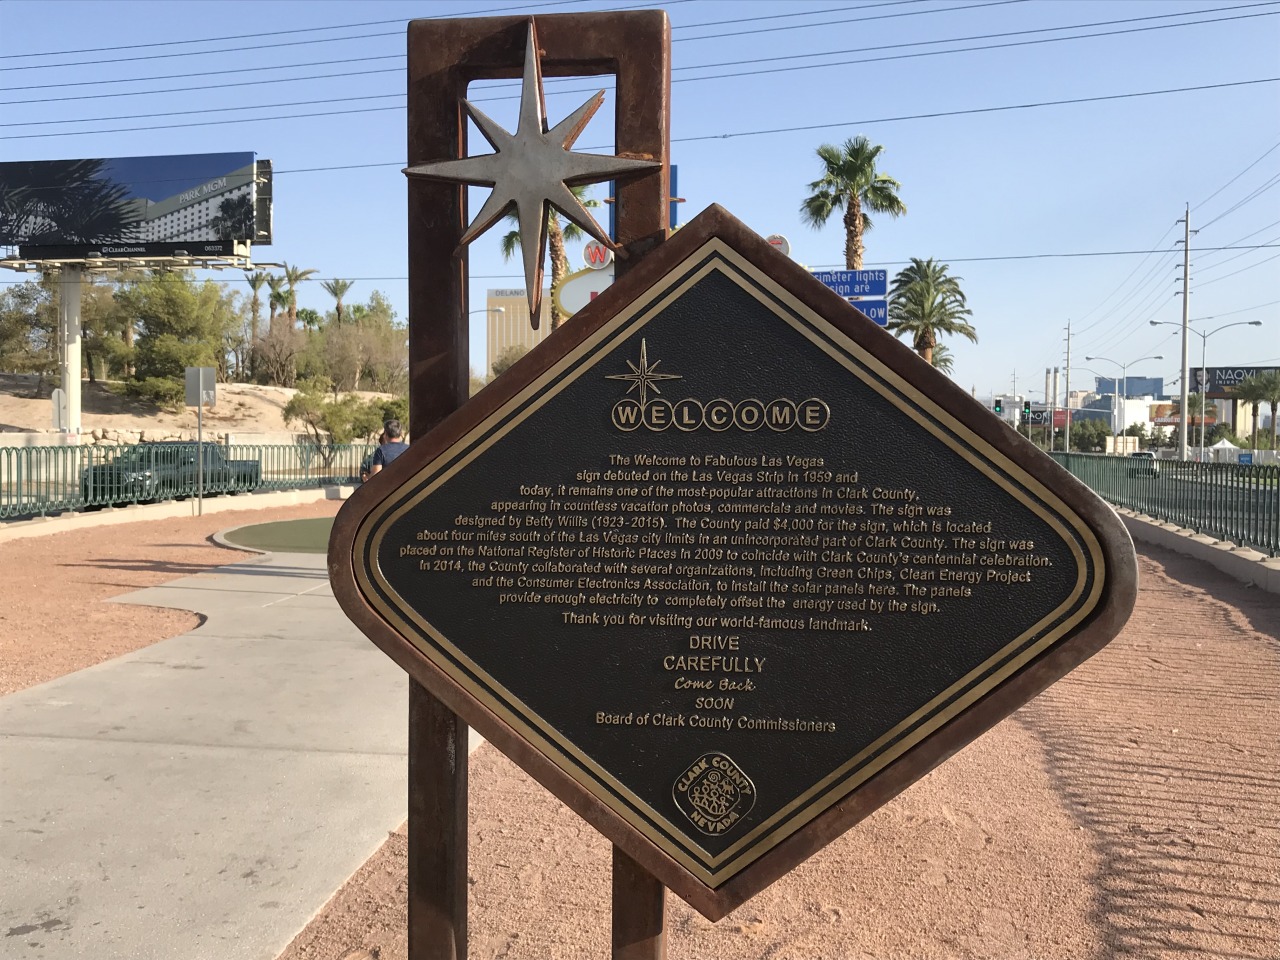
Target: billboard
{"points": [[1223, 380], [190, 204]]}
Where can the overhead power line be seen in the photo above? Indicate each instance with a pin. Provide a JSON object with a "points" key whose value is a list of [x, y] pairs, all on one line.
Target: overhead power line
{"points": [[712, 136], [400, 32], [250, 36], [1247, 200], [730, 63], [1266, 153], [879, 263], [1242, 269], [357, 73]]}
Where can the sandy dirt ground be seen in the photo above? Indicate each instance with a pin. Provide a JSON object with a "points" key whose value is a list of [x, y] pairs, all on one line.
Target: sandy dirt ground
{"points": [[1131, 810], [241, 407]]}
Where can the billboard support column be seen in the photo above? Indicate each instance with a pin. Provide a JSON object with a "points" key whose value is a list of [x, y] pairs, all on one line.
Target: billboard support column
{"points": [[69, 342]]}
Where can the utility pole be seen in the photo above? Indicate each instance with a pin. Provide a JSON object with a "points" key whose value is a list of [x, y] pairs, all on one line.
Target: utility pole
{"points": [[1053, 410], [1186, 313], [1048, 435], [1066, 399]]}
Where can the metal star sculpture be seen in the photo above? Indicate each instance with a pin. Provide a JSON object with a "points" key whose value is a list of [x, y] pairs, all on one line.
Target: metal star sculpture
{"points": [[643, 377], [531, 169]]}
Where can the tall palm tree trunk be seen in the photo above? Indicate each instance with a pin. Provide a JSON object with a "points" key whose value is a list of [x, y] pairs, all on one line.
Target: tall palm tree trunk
{"points": [[853, 248], [559, 267]]}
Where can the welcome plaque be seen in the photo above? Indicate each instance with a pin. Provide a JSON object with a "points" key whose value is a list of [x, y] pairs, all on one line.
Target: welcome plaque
{"points": [[726, 567]]}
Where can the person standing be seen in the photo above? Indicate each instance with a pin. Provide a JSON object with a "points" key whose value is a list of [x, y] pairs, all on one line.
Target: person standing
{"points": [[392, 448]]}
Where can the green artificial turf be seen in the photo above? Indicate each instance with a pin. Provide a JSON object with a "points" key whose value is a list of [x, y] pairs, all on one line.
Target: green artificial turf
{"points": [[284, 536]]}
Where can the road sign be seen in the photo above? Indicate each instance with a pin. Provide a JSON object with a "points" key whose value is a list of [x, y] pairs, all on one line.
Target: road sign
{"points": [[855, 283], [877, 310], [685, 564], [202, 385], [596, 255]]}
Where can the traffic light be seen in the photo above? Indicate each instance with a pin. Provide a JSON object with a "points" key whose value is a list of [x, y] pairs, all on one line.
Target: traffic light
{"points": [[999, 406], [1026, 410]]}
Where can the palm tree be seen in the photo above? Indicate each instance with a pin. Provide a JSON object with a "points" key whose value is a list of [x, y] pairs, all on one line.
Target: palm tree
{"points": [[337, 289], [1250, 390], [277, 300], [557, 234], [927, 301], [1269, 388], [851, 182], [943, 361], [256, 280], [294, 276]]}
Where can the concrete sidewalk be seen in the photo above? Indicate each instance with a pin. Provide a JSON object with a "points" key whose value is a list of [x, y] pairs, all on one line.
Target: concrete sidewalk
{"points": [[204, 796]]}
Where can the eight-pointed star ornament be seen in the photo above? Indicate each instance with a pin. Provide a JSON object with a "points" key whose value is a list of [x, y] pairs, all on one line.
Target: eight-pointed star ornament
{"points": [[532, 168]]}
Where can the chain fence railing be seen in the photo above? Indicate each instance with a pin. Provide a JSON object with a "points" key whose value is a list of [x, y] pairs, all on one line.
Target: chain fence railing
{"points": [[1228, 501], [39, 481]]}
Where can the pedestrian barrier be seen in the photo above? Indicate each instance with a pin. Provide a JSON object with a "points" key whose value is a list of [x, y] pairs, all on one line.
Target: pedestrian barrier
{"points": [[39, 481], [1227, 501]]}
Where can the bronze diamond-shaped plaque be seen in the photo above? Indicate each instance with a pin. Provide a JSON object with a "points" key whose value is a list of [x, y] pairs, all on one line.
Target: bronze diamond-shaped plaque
{"points": [[726, 567]]}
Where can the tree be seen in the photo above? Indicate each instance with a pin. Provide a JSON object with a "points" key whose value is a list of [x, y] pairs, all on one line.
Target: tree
{"points": [[181, 323], [557, 235], [850, 182], [310, 318], [507, 358], [331, 421], [1090, 435], [277, 300], [256, 280], [943, 361], [293, 276], [926, 301], [1250, 391], [1268, 392], [104, 324], [29, 329], [337, 289]]}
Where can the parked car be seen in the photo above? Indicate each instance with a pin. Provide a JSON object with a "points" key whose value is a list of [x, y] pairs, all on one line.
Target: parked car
{"points": [[161, 471], [1143, 463]]}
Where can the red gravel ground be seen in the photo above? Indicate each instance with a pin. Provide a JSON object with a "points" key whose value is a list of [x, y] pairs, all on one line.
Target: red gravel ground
{"points": [[1132, 810]]}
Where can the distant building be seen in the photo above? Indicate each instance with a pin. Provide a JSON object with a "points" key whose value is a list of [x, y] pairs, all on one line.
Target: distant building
{"points": [[507, 323], [1131, 386]]}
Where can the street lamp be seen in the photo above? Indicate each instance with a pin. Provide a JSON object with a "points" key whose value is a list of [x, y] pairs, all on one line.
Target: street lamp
{"points": [[1124, 373], [1204, 383]]}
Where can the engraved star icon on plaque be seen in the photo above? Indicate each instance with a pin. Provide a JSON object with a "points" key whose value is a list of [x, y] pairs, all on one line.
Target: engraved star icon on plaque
{"points": [[531, 169], [643, 377]]}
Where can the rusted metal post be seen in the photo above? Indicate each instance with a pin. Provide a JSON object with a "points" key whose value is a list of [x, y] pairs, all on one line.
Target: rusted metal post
{"points": [[639, 911], [437, 829]]}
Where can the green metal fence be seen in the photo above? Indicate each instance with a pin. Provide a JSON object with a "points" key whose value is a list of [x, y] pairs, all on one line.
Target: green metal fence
{"points": [[1228, 501], [38, 481]]}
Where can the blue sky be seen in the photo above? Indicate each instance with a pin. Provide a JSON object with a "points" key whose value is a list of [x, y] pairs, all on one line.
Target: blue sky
{"points": [[1084, 178]]}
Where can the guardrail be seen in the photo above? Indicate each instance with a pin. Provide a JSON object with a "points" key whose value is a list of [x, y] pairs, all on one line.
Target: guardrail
{"points": [[1228, 501], [38, 481]]}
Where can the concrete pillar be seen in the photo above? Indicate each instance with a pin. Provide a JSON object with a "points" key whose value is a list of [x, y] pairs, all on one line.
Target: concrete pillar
{"points": [[70, 340]]}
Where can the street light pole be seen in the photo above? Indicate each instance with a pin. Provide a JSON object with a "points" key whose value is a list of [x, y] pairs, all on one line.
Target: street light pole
{"points": [[1204, 379]]}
